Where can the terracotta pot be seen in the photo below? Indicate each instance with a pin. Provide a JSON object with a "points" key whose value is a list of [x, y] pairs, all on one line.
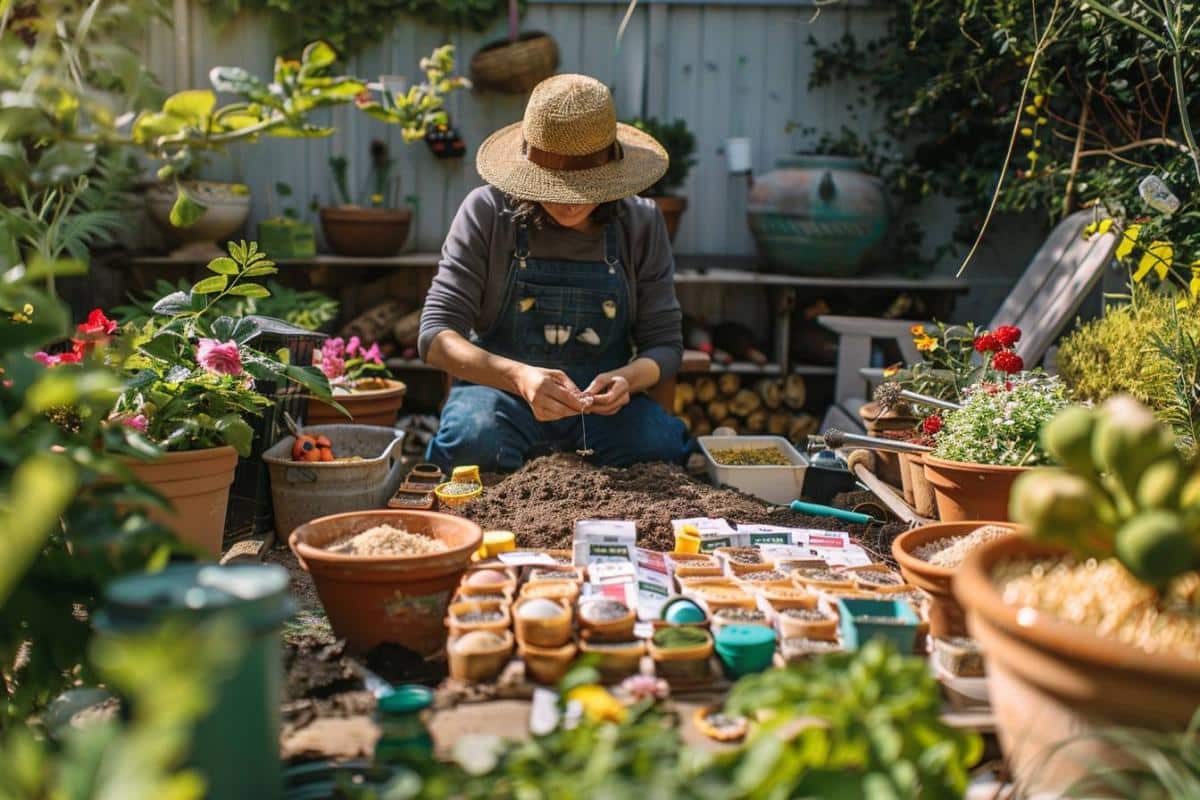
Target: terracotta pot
{"points": [[672, 209], [970, 491], [226, 207], [890, 424], [924, 497], [365, 232], [1050, 681], [946, 616], [197, 484], [366, 406], [374, 599], [906, 486]]}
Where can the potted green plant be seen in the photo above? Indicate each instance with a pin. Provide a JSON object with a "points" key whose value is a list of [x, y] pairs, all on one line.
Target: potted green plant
{"points": [[226, 206], [981, 448], [360, 382], [680, 144], [1091, 616], [287, 235], [192, 384]]}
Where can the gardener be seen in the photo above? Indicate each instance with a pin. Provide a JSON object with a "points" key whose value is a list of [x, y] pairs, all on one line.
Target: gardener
{"points": [[554, 298]]}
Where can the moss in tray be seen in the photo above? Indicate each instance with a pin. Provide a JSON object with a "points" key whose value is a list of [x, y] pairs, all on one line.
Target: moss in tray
{"points": [[679, 638]]}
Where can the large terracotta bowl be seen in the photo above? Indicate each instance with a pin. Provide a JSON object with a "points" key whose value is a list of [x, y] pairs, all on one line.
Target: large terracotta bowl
{"points": [[1051, 681], [376, 599], [365, 232], [970, 491], [946, 617]]}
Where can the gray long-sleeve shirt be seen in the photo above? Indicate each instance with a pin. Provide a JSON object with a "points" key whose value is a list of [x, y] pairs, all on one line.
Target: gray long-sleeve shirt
{"points": [[469, 285]]}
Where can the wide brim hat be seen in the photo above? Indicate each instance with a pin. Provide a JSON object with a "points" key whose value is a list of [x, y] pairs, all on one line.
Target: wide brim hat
{"points": [[569, 148]]}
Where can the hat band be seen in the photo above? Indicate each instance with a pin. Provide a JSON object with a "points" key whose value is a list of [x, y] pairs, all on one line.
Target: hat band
{"points": [[544, 158]]}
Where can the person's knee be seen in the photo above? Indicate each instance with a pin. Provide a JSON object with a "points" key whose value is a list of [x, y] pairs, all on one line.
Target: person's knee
{"points": [[471, 431], [650, 434]]}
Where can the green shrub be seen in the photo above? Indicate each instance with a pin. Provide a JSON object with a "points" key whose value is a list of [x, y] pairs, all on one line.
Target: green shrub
{"points": [[1115, 354], [999, 424]]}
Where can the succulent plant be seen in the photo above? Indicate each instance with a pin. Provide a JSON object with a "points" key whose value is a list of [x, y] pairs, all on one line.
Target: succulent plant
{"points": [[1125, 491]]}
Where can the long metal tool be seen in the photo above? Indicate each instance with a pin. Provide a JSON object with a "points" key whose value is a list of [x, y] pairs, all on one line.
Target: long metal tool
{"points": [[887, 495], [926, 400], [834, 439]]}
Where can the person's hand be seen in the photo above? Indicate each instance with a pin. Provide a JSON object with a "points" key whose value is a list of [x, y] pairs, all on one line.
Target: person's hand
{"points": [[550, 393], [609, 393]]}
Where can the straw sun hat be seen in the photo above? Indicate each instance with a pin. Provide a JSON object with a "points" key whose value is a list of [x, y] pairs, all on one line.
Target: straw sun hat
{"points": [[570, 148]]}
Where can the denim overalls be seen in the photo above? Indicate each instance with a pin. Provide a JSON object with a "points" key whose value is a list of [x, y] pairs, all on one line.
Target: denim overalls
{"points": [[557, 314]]}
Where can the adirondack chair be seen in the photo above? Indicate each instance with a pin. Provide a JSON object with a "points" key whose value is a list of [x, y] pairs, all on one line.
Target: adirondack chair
{"points": [[1062, 273]]}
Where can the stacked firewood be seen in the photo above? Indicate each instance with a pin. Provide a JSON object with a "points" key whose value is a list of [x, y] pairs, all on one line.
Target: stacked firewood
{"points": [[766, 406]]}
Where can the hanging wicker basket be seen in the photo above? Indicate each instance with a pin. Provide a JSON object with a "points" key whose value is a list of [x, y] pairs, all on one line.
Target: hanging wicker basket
{"points": [[515, 67]]}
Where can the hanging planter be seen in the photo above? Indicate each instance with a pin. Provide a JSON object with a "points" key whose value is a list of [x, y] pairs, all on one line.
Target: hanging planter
{"points": [[517, 64]]}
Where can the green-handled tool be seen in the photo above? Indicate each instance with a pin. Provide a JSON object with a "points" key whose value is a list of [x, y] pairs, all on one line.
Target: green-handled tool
{"points": [[818, 510]]}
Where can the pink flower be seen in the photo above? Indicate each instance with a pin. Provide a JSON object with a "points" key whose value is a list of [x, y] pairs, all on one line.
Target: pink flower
{"points": [[222, 358], [352, 345], [333, 366], [73, 357], [138, 422], [335, 348], [645, 687], [372, 354]]}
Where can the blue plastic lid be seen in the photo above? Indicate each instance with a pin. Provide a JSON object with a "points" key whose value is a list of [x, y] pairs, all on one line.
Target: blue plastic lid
{"points": [[406, 699], [682, 610]]}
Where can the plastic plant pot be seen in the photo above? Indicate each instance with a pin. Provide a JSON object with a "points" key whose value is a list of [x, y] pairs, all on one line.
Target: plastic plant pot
{"points": [[548, 632], [457, 625], [616, 660], [235, 746], [480, 666], [745, 649], [687, 663], [861, 620], [619, 629], [565, 591], [547, 665]]}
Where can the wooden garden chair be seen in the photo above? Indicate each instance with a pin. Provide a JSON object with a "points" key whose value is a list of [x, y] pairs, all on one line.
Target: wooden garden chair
{"points": [[1044, 300]]}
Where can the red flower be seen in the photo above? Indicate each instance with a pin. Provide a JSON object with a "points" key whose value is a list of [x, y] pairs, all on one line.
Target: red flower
{"points": [[1008, 361], [97, 324], [57, 359], [986, 343], [931, 424], [1008, 335]]}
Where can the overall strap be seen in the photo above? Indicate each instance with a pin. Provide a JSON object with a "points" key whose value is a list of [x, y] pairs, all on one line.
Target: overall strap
{"points": [[522, 250], [612, 249]]}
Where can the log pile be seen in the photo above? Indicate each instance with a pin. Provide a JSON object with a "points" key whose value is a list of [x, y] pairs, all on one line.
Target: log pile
{"points": [[772, 406]]}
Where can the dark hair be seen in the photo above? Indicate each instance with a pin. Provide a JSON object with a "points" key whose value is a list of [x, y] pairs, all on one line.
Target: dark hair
{"points": [[531, 214]]}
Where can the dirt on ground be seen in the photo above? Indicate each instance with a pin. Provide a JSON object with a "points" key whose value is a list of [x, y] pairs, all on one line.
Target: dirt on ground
{"points": [[541, 502]]}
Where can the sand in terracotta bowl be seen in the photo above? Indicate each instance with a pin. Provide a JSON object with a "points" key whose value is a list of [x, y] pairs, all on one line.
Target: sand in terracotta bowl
{"points": [[386, 540]]}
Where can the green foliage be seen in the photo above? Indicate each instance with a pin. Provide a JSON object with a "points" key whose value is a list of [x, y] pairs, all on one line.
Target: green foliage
{"points": [[1124, 490], [999, 424], [1140, 348], [880, 732], [680, 144], [947, 78], [305, 308], [166, 677], [187, 403], [949, 364], [353, 26]]}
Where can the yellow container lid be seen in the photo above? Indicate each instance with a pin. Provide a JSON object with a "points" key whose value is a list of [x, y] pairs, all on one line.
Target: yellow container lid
{"points": [[466, 474], [495, 542]]}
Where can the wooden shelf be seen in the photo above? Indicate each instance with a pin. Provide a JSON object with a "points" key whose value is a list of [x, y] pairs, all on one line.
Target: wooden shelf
{"points": [[718, 275], [814, 369], [403, 261], [747, 368]]}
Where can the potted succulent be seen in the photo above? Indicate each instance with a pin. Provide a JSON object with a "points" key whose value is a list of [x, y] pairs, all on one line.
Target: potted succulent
{"points": [[287, 235], [981, 448], [680, 145], [1090, 618], [360, 383], [192, 384]]}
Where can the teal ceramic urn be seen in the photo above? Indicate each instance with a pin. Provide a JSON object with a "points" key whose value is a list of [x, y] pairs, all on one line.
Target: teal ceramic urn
{"points": [[818, 215]]}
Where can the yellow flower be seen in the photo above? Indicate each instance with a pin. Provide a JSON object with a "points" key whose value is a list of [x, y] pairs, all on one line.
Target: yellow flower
{"points": [[1039, 100], [1194, 284], [1128, 241], [894, 368], [926, 344], [1027, 131], [1042, 120], [917, 330], [377, 198], [1031, 110], [1032, 156], [1101, 227], [598, 705], [1158, 256]]}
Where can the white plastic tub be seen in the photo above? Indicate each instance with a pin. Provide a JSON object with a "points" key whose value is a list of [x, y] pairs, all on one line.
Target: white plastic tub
{"points": [[775, 484]]}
